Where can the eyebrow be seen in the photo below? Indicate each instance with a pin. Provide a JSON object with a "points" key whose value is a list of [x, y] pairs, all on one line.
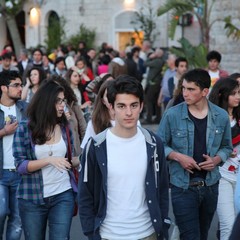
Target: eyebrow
{"points": [[126, 104]]}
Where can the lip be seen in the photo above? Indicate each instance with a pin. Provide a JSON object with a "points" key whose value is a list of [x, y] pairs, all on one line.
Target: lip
{"points": [[129, 120]]}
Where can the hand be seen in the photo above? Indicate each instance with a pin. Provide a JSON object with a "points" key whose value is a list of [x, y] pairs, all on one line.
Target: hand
{"points": [[28, 83], [60, 163], [68, 115], [74, 68], [10, 128], [86, 104], [159, 100], [208, 164], [75, 161], [152, 55], [188, 163]]}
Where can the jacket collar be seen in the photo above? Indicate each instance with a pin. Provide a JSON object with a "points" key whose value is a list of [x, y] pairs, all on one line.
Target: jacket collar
{"points": [[100, 138]]}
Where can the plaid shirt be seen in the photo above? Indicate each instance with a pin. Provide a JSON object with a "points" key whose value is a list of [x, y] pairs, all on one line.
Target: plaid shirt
{"points": [[31, 185]]}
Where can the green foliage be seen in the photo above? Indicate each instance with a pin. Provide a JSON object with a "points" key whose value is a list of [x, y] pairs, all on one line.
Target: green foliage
{"points": [[11, 7], [177, 8], [196, 55], [55, 33], [84, 34], [232, 30], [145, 20]]}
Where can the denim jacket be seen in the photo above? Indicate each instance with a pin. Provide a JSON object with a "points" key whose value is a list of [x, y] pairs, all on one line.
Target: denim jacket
{"points": [[21, 115], [177, 133], [92, 187]]}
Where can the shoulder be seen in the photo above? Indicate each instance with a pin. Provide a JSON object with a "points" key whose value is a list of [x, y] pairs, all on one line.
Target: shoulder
{"points": [[22, 104], [176, 110], [100, 137], [150, 137], [217, 110], [223, 73]]}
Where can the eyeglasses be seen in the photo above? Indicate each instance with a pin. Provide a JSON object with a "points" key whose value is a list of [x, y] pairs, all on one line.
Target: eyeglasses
{"points": [[15, 85], [59, 101]]}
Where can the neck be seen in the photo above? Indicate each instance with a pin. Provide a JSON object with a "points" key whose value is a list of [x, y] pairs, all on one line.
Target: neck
{"points": [[124, 133], [7, 102], [230, 111], [214, 70], [74, 85], [178, 75], [200, 109]]}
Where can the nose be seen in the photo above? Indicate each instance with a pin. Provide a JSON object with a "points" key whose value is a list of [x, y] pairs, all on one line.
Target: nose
{"points": [[128, 111]]}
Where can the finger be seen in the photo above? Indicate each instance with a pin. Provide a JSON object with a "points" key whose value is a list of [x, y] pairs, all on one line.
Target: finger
{"points": [[197, 166], [205, 156], [189, 170]]}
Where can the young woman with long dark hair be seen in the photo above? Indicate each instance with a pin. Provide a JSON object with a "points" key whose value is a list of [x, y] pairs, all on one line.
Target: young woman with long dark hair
{"points": [[46, 190], [226, 94]]}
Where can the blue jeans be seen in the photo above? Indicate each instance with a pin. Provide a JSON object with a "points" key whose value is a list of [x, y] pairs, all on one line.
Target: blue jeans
{"points": [[57, 211], [9, 205], [194, 209]]}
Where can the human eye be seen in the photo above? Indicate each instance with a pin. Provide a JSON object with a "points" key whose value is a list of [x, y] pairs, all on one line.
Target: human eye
{"points": [[134, 106], [121, 106]]}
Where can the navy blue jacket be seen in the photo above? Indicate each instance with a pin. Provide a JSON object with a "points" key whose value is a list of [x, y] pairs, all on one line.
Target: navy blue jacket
{"points": [[92, 185]]}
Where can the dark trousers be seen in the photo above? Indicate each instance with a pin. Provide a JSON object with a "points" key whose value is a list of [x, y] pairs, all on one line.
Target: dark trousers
{"points": [[152, 93], [194, 209]]}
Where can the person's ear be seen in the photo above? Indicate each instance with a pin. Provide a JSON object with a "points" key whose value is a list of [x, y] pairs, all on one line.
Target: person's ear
{"points": [[205, 92], [3, 88]]}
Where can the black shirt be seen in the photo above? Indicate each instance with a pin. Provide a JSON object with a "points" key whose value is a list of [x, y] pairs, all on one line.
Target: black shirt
{"points": [[200, 146]]}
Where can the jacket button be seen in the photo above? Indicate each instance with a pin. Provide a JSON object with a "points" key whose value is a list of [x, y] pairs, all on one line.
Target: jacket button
{"points": [[103, 164], [154, 220], [147, 183], [150, 201]]}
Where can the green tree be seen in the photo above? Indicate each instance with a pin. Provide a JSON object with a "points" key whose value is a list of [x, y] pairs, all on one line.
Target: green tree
{"points": [[55, 32], [84, 34], [232, 30], [9, 9], [145, 20], [202, 9], [196, 55]]}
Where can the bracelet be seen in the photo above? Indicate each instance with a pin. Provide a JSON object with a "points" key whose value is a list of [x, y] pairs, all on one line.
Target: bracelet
{"points": [[5, 131]]}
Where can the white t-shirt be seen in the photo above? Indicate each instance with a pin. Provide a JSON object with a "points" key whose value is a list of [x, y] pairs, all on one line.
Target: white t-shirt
{"points": [[91, 133], [54, 181], [127, 215], [8, 159], [230, 168], [214, 77]]}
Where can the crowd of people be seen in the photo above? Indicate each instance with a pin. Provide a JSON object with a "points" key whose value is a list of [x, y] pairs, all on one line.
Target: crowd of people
{"points": [[81, 114]]}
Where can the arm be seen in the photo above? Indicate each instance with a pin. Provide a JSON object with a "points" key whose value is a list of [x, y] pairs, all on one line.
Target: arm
{"points": [[163, 187], [8, 129], [82, 125], [160, 98], [163, 183], [224, 151], [86, 187], [23, 154], [164, 132], [25, 90]]}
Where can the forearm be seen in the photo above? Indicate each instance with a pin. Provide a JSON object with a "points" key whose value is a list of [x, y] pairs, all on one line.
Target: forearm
{"points": [[24, 92], [3, 132], [174, 156], [217, 160], [36, 165]]}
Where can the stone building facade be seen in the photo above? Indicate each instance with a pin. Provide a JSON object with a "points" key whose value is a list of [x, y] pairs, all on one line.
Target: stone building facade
{"points": [[111, 20]]}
